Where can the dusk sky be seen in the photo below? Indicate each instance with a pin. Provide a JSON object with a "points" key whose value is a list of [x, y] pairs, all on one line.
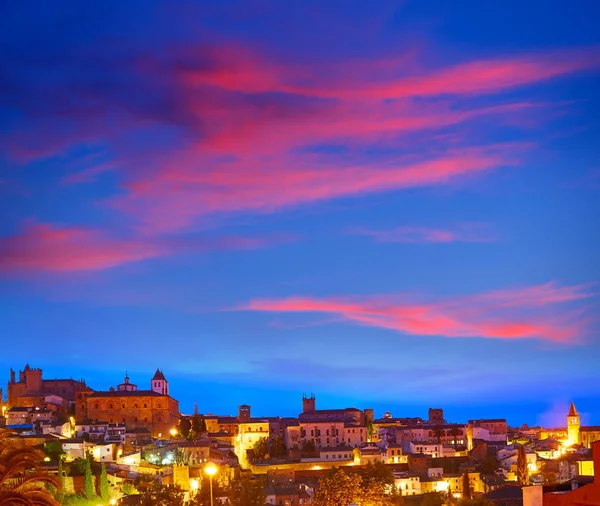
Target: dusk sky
{"points": [[389, 204]]}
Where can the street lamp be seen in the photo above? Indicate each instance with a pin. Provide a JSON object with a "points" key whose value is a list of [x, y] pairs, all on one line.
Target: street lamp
{"points": [[211, 470]]}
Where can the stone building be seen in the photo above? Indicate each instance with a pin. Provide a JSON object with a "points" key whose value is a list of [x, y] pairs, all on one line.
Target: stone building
{"points": [[578, 434], [154, 410], [32, 390]]}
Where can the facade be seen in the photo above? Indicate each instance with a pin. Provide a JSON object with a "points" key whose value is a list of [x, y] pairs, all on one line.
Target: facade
{"points": [[248, 434], [153, 410], [573, 426], [492, 431], [32, 390]]}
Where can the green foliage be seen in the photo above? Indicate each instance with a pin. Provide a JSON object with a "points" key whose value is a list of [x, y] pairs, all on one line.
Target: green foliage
{"points": [[370, 429], [261, 449], [78, 466], [78, 500], [202, 496], [180, 457], [338, 488], [488, 466], [88, 484], [184, 427], [432, 499], [152, 494], [466, 486], [53, 449], [128, 489], [198, 426], [104, 493], [378, 473], [278, 448], [522, 469], [480, 501], [245, 491], [309, 446], [22, 481]]}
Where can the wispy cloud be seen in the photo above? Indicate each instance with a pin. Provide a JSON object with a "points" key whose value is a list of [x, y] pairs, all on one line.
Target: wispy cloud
{"points": [[244, 129], [521, 313], [463, 232], [43, 247]]}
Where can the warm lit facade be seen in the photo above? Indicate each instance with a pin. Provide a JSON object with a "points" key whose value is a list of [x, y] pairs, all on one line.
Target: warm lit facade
{"points": [[152, 409], [248, 434], [490, 430], [577, 434], [32, 390]]}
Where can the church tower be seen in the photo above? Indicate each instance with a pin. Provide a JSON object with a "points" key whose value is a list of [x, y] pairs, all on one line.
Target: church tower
{"points": [[573, 423], [159, 383]]}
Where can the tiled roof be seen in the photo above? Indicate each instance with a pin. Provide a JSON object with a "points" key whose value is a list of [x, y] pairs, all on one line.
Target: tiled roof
{"points": [[158, 375], [127, 393]]}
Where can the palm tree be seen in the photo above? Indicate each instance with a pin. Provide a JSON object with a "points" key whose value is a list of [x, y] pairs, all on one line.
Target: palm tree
{"points": [[22, 482]]}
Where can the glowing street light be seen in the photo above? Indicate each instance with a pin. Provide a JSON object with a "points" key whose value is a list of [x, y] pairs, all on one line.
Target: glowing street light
{"points": [[173, 432], [211, 470], [194, 485]]}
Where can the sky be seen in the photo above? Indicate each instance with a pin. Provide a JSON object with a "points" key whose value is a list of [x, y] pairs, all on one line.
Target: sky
{"points": [[392, 204]]}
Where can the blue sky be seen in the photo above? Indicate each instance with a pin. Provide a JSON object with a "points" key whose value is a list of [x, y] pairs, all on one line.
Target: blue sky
{"points": [[392, 206]]}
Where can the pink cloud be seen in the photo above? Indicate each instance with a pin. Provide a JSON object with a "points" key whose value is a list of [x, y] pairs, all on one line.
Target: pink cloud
{"points": [[536, 313], [49, 248], [466, 232], [241, 70], [174, 198]]}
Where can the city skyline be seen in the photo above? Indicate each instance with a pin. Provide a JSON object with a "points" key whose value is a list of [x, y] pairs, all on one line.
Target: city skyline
{"points": [[391, 206]]}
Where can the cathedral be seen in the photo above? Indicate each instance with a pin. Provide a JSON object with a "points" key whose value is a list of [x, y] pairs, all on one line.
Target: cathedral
{"points": [[153, 409]]}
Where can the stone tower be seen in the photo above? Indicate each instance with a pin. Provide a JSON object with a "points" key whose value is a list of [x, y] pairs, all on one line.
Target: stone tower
{"points": [[308, 403], [573, 424], [159, 383]]}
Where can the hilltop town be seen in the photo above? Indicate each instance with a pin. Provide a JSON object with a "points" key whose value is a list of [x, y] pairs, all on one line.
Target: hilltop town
{"points": [[137, 432]]}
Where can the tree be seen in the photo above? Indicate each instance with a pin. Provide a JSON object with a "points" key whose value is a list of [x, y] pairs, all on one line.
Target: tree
{"points": [[522, 470], [184, 427], [338, 488], [88, 483], [180, 457], [488, 466], [455, 434], [309, 446], [370, 429], [432, 499], [245, 491], [21, 479], [261, 449], [378, 473], [278, 448], [53, 449], [198, 426], [104, 484], [439, 432], [152, 494], [466, 486], [128, 488]]}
